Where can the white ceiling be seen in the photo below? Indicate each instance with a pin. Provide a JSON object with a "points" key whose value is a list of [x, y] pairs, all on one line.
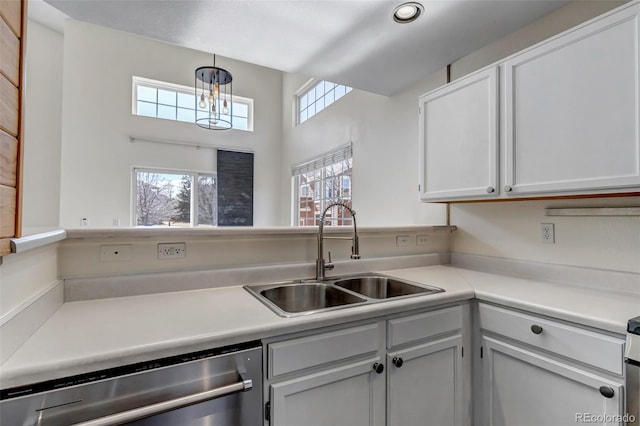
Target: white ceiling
{"points": [[353, 42]]}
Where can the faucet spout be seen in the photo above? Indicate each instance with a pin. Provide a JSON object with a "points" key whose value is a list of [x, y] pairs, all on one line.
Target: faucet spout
{"points": [[321, 265]]}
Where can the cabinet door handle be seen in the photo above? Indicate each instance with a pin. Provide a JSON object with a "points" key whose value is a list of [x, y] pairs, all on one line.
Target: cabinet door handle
{"points": [[491, 189], [607, 392], [507, 188], [397, 361], [378, 367], [536, 329]]}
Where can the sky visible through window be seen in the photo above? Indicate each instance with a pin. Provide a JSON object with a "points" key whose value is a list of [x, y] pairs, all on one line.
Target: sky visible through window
{"points": [[151, 99]]}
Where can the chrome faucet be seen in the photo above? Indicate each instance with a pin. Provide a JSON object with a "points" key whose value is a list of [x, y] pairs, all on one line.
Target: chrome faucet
{"points": [[321, 265]]}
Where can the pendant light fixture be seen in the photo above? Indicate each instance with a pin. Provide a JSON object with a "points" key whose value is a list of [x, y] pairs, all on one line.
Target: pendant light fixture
{"points": [[213, 89]]}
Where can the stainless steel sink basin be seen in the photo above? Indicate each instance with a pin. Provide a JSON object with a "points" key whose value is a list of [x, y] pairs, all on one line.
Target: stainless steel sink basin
{"points": [[300, 297], [379, 287], [303, 297]]}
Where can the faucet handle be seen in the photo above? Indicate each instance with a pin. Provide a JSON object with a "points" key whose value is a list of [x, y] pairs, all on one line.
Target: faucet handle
{"points": [[329, 264]]}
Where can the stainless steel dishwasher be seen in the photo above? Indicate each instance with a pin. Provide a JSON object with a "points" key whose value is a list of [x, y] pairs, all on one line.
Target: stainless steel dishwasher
{"points": [[221, 387]]}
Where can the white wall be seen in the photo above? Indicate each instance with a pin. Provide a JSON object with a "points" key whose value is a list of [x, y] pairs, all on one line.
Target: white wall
{"points": [[26, 274], [384, 132], [512, 229], [97, 156], [43, 118]]}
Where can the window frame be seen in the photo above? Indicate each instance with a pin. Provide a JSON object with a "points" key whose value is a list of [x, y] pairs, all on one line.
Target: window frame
{"points": [[193, 223], [322, 161], [186, 90], [306, 88]]}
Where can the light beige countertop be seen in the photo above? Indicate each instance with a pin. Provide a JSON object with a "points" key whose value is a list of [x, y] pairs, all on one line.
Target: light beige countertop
{"points": [[92, 335]]}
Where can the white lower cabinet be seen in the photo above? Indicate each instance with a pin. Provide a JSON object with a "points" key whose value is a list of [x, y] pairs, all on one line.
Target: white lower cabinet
{"points": [[426, 384], [530, 378], [348, 395], [523, 388], [412, 377]]}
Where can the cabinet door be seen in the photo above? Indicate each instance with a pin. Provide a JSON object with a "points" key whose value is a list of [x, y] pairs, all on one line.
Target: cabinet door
{"points": [[459, 139], [431, 385], [521, 388], [349, 395], [571, 111]]}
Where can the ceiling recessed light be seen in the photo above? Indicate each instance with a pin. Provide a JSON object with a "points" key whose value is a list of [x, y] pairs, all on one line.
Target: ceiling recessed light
{"points": [[407, 12]]}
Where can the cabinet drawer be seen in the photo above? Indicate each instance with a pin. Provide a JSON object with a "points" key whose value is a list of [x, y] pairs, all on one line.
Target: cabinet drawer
{"points": [[589, 347], [311, 351], [421, 326]]}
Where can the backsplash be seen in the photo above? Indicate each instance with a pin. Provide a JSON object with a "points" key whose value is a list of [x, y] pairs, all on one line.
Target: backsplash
{"points": [[87, 254]]}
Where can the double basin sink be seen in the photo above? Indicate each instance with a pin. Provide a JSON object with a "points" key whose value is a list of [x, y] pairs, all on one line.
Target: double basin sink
{"points": [[303, 297]]}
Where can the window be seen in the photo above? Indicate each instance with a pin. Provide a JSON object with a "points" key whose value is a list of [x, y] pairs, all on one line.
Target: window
{"points": [[318, 183], [316, 96], [185, 199], [158, 99]]}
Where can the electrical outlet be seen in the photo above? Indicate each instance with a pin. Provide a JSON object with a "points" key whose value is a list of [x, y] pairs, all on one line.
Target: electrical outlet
{"points": [[84, 221], [548, 233], [422, 240], [115, 252], [402, 240], [172, 250]]}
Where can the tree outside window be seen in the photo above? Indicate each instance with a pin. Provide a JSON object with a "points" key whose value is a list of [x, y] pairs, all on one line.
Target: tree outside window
{"points": [[166, 199]]}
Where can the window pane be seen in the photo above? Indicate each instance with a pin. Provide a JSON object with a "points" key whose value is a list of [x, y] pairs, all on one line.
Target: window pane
{"points": [[186, 100], [303, 116], [347, 89], [311, 111], [158, 197], [146, 109], [329, 98], [166, 97], [147, 94], [311, 96], [339, 91], [167, 112], [303, 101], [320, 90], [163, 101], [319, 104], [182, 205], [240, 109], [240, 123], [186, 115], [207, 200]]}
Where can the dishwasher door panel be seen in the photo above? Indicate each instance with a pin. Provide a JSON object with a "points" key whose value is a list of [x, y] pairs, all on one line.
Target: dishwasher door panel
{"points": [[85, 402]]}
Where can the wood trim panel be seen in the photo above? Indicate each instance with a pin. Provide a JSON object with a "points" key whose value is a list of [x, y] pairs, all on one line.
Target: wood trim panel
{"points": [[7, 211], [9, 53], [5, 246], [8, 159], [23, 76], [9, 106], [11, 12]]}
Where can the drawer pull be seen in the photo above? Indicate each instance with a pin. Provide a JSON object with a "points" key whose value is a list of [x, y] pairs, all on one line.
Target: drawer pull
{"points": [[607, 392], [378, 367], [536, 329], [397, 361]]}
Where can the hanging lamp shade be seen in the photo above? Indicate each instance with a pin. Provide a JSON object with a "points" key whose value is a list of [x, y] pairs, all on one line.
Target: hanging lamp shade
{"points": [[213, 89]]}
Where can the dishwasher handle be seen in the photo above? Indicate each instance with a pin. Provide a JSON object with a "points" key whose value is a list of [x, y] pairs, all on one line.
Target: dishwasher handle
{"points": [[243, 385]]}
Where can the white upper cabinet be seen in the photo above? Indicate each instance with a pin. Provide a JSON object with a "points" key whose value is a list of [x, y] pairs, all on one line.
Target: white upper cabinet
{"points": [[459, 134], [572, 110], [567, 113]]}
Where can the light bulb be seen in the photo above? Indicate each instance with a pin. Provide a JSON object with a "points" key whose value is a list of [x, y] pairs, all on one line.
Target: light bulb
{"points": [[213, 108], [210, 96], [217, 88], [202, 104], [225, 109]]}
